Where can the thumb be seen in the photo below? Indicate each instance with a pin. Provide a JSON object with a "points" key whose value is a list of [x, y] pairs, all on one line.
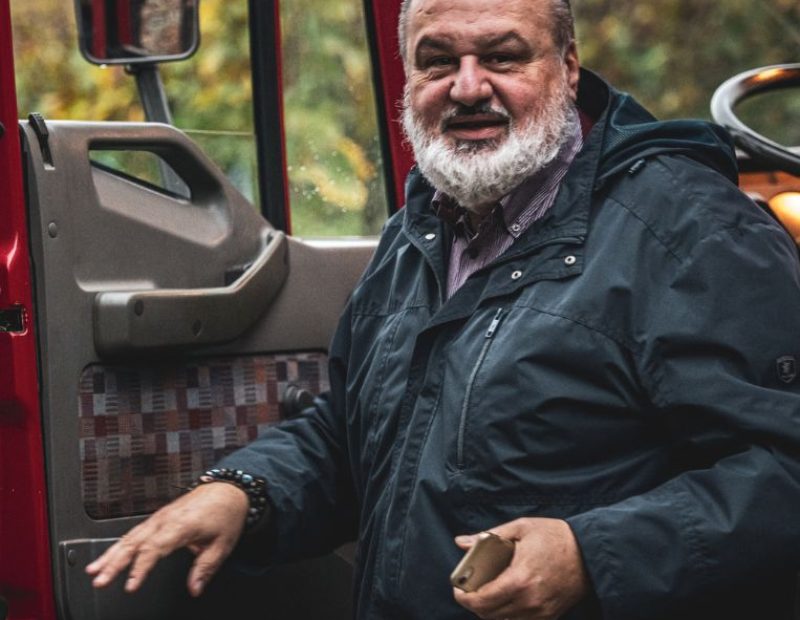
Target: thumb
{"points": [[468, 540], [205, 566]]}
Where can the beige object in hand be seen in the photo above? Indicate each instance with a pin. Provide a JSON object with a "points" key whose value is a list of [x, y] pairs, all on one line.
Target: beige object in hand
{"points": [[483, 562]]}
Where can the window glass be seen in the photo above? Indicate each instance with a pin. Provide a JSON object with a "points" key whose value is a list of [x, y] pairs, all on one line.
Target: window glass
{"points": [[142, 166], [673, 54], [209, 94], [670, 54], [334, 159]]}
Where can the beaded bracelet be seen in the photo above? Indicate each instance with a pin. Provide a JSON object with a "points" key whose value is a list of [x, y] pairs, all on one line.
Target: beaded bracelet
{"points": [[254, 486]]}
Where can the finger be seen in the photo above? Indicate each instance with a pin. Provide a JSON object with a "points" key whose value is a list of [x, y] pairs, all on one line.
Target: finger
{"points": [[113, 561], [509, 610], [512, 610], [467, 541], [151, 548], [107, 557], [501, 593], [205, 567], [474, 603], [96, 566], [148, 554]]}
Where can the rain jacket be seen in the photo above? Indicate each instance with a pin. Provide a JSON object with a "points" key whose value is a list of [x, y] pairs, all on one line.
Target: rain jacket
{"points": [[628, 365]]}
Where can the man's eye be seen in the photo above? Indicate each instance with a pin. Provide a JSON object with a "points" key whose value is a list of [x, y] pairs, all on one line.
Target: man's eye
{"points": [[439, 62], [499, 59]]}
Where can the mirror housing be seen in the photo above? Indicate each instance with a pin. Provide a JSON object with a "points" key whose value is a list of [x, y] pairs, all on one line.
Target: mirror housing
{"points": [[137, 31]]}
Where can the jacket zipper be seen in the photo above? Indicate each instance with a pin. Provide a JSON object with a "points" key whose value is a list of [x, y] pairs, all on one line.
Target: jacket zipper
{"points": [[462, 426]]}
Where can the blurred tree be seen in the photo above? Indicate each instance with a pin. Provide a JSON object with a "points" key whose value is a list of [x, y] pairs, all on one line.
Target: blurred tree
{"points": [[331, 121], [52, 76], [673, 54]]}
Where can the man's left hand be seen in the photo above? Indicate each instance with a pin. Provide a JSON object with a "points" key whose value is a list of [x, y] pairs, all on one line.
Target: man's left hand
{"points": [[545, 579]]}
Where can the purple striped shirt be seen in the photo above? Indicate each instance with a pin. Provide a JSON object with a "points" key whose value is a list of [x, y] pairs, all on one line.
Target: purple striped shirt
{"points": [[514, 213]]}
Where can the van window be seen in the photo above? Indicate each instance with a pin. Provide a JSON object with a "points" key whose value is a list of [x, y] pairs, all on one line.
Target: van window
{"points": [[336, 180], [210, 94]]}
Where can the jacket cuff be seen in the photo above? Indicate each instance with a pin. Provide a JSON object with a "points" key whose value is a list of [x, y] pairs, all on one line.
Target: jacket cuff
{"points": [[599, 560]]}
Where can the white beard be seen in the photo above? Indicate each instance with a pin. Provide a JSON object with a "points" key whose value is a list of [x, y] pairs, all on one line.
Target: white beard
{"points": [[478, 173]]}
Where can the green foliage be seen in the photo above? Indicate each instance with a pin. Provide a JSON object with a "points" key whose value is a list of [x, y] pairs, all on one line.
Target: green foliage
{"points": [[54, 79], [331, 126], [673, 54]]}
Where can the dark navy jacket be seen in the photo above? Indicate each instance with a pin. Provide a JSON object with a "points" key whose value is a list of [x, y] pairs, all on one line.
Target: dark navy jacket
{"points": [[627, 365]]}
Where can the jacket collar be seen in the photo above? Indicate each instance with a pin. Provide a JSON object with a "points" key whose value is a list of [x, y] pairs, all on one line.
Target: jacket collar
{"points": [[622, 136]]}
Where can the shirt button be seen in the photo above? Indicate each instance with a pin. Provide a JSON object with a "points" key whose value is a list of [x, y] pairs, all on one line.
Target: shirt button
{"points": [[516, 275], [430, 236], [570, 260], [515, 227]]}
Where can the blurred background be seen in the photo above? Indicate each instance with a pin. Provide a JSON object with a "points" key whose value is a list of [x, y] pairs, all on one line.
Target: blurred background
{"points": [[671, 54]]}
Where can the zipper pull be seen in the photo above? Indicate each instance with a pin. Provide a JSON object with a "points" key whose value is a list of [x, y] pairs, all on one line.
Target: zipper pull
{"points": [[495, 322], [637, 166]]}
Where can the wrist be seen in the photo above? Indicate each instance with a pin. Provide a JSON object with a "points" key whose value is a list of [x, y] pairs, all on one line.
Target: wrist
{"points": [[253, 487]]}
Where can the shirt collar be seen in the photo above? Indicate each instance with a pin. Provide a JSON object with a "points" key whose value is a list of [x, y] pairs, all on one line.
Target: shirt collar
{"points": [[525, 204]]}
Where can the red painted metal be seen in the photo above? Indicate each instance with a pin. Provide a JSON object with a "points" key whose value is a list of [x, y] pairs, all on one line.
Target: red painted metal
{"points": [[25, 570], [391, 66], [125, 23], [98, 38], [287, 207]]}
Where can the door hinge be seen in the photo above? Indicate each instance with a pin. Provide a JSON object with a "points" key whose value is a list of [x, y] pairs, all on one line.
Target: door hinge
{"points": [[12, 320]]}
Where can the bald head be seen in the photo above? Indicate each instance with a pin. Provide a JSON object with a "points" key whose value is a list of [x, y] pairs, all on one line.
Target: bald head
{"points": [[563, 25]]}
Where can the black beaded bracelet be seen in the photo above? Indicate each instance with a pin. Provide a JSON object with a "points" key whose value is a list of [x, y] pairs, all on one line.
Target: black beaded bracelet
{"points": [[254, 486]]}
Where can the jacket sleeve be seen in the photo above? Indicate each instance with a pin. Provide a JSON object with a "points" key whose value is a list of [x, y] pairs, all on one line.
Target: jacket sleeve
{"points": [[720, 363], [306, 462], [306, 465]]}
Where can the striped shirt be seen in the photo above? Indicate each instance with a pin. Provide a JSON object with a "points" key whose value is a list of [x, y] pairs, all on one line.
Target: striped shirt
{"points": [[515, 212]]}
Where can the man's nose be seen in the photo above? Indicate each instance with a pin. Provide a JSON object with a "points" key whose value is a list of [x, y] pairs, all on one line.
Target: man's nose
{"points": [[471, 84]]}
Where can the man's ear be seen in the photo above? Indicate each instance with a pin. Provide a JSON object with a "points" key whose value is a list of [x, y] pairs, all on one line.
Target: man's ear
{"points": [[572, 66]]}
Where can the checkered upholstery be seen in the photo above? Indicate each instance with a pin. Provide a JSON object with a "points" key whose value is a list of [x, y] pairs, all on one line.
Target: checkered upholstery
{"points": [[146, 432]]}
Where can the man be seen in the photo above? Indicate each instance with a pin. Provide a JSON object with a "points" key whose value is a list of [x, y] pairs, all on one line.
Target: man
{"points": [[572, 336]]}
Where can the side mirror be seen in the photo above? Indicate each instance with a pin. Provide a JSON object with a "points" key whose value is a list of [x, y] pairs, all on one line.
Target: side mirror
{"points": [[137, 31]]}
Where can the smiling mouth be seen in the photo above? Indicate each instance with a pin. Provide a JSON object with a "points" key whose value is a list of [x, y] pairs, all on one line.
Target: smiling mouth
{"points": [[475, 122]]}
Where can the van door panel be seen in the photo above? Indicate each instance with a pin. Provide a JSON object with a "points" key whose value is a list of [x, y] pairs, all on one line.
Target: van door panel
{"points": [[128, 427]]}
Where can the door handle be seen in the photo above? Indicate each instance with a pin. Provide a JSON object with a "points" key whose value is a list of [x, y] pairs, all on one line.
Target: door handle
{"points": [[139, 321]]}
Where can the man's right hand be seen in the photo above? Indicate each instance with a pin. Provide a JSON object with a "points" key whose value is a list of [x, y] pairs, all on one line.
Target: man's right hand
{"points": [[208, 521]]}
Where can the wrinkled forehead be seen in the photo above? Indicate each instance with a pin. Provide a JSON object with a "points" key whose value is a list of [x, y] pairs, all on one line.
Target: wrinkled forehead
{"points": [[463, 20]]}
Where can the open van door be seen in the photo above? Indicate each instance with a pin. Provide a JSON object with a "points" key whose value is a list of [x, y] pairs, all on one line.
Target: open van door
{"points": [[171, 330]]}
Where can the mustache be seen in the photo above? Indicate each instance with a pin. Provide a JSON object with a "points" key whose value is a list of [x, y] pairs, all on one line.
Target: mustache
{"points": [[487, 113]]}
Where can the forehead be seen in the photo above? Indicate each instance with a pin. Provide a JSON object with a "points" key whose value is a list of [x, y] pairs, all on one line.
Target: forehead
{"points": [[462, 20]]}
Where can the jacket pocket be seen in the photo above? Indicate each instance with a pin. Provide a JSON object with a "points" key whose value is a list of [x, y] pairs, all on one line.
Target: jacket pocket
{"points": [[462, 425]]}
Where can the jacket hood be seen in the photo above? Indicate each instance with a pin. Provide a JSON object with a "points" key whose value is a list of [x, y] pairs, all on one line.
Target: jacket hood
{"points": [[631, 133]]}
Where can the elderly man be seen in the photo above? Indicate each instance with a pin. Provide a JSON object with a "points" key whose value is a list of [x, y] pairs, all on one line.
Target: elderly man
{"points": [[578, 334]]}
